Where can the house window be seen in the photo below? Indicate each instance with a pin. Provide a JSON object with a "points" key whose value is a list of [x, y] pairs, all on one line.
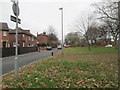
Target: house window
{"points": [[32, 38], [23, 35], [4, 33], [29, 37], [23, 44]]}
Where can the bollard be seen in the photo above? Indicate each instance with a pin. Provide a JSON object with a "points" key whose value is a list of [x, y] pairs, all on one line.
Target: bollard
{"points": [[52, 53]]}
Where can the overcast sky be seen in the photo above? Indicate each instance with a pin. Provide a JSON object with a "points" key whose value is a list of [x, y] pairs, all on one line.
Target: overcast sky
{"points": [[37, 15]]}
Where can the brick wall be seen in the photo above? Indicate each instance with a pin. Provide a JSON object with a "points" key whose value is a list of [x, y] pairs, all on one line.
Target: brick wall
{"points": [[42, 38], [22, 40]]}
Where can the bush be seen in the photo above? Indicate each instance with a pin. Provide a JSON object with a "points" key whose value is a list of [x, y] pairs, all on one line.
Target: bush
{"points": [[41, 45]]}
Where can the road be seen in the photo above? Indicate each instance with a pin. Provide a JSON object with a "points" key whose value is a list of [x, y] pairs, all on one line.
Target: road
{"points": [[24, 59]]}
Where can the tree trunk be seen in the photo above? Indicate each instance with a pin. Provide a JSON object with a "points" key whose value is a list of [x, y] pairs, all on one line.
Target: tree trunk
{"points": [[115, 42], [88, 43], [95, 43]]}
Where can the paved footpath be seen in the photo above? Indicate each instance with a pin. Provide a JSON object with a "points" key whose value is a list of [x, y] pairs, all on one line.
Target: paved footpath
{"points": [[8, 63]]}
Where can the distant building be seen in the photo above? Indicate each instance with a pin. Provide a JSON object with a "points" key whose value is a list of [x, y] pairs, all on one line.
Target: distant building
{"points": [[4, 35], [7, 37], [25, 38], [42, 38]]}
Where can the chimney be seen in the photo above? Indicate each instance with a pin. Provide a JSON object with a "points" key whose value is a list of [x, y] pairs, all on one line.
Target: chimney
{"points": [[37, 33], [44, 33]]}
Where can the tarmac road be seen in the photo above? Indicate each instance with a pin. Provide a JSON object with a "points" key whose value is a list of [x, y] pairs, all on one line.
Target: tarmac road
{"points": [[8, 63]]}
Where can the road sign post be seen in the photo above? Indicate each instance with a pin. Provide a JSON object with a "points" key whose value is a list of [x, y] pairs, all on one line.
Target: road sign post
{"points": [[15, 19], [15, 8]]}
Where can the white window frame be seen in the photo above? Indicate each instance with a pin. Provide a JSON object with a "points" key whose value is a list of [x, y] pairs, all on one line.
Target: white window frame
{"points": [[32, 38], [23, 44], [29, 37], [4, 33], [23, 35]]}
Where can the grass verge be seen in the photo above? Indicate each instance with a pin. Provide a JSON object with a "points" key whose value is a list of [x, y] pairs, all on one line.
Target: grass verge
{"points": [[77, 68]]}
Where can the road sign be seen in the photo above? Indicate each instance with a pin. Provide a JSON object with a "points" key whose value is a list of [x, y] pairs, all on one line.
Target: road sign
{"points": [[12, 18], [16, 9]]}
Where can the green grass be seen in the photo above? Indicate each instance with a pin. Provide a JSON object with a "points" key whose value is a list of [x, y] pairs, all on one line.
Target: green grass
{"points": [[78, 68], [102, 50]]}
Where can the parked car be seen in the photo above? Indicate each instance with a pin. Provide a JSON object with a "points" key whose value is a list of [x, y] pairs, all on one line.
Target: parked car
{"points": [[48, 48], [66, 46], [108, 45], [59, 47]]}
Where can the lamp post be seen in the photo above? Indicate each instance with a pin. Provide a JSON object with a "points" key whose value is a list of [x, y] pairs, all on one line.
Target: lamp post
{"points": [[62, 26], [16, 12], [119, 42], [119, 32]]}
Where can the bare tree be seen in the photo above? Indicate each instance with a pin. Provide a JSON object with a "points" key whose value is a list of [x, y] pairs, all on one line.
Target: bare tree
{"points": [[83, 25], [107, 9], [107, 12], [51, 30], [53, 40], [73, 39], [93, 33], [103, 29]]}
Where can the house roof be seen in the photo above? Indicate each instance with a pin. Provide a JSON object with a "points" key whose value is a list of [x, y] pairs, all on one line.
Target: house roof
{"points": [[4, 26], [21, 31]]}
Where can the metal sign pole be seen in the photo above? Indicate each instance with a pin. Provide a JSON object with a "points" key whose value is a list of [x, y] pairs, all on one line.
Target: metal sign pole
{"points": [[16, 49], [16, 12]]}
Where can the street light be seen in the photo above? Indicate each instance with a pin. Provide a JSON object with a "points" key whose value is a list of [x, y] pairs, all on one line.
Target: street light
{"points": [[16, 12], [62, 26], [119, 33], [14, 1]]}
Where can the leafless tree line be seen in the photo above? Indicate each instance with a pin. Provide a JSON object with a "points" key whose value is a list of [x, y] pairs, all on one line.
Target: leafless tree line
{"points": [[102, 23]]}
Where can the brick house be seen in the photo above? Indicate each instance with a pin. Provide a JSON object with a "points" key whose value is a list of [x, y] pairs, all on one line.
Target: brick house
{"points": [[25, 38], [4, 35], [7, 37], [43, 38]]}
